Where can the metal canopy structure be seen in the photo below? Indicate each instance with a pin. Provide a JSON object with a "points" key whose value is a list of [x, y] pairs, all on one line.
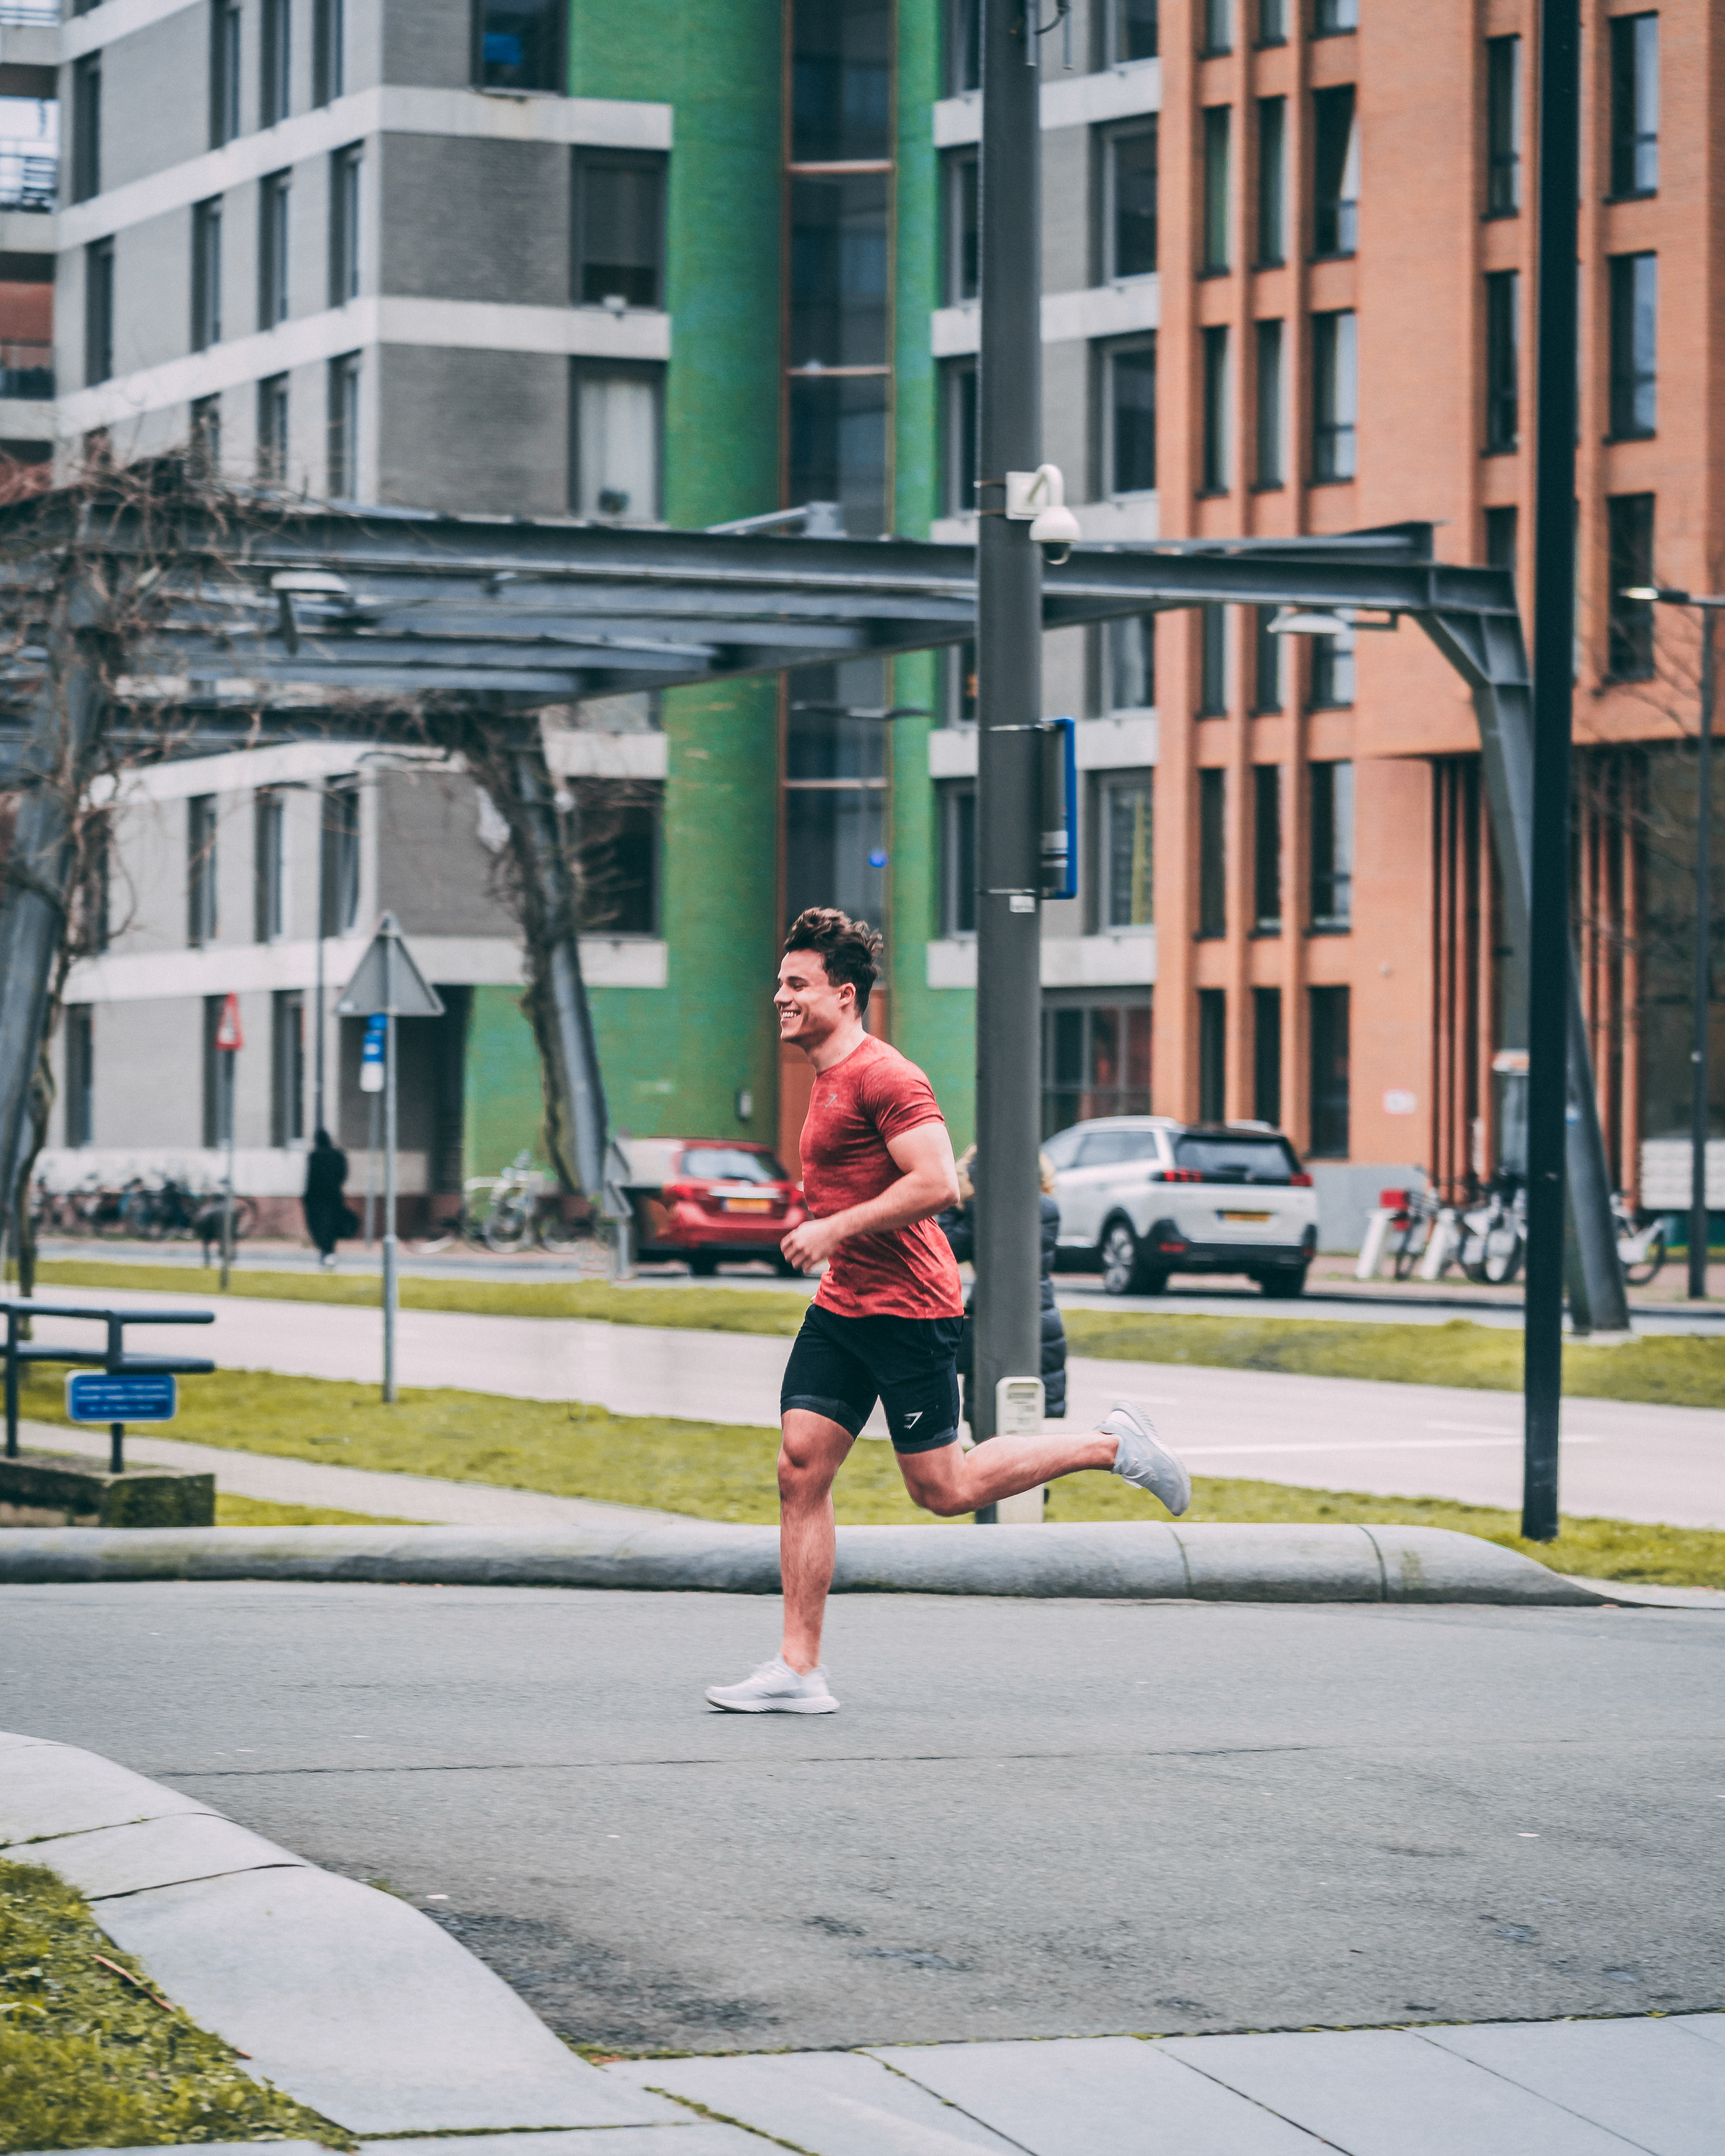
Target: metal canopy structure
{"points": [[305, 620]]}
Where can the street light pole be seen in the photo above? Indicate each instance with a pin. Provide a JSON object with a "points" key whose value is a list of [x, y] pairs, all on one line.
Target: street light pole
{"points": [[1548, 953], [1008, 1017]]}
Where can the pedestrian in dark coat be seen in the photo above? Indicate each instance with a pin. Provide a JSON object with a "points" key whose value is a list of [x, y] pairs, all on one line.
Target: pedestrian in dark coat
{"points": [[327, 1213], [958, 1225]]}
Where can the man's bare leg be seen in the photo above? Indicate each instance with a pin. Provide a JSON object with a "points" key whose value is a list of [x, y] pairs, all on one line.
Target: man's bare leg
{"points": [[953, 1480], [813, 1450]]}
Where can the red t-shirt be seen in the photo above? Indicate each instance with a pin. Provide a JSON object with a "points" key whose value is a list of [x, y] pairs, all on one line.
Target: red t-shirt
{"points": [[856, 1107]]}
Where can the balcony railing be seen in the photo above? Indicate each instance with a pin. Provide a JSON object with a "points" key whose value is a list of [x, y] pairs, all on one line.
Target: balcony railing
{"points": [[26, 368], [29, 11], [28, 176]]}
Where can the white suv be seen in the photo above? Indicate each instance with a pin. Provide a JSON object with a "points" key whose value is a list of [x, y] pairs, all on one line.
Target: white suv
{"points": [[1142, 1197]]}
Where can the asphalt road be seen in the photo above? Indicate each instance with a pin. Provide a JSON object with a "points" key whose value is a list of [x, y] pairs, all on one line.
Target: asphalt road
{"points": [[1621, 1460], [1029, 1819]]}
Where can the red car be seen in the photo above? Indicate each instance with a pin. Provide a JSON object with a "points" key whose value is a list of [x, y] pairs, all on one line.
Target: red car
{"points": [[705, 1199]]}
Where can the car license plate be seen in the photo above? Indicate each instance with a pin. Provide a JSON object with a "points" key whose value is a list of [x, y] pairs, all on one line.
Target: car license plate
{"points": [[765, 1205], [1247, 1219]]}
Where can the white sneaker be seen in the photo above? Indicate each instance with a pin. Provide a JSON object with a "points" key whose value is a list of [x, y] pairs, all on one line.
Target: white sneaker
{"points": [[776, 1688], [1143, 1460]]}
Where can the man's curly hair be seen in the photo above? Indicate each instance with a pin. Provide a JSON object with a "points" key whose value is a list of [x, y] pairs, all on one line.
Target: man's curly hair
{"points": [[849, 950]]}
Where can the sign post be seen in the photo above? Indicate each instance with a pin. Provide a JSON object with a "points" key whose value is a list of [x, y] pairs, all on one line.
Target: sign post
{"points": [[229, 1040], [371, 1083], [388, 984]]}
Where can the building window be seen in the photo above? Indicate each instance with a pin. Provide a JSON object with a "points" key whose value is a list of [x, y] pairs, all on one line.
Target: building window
{"points": [[518, 44], [338, 859], [1272, 181], [1500, 538], [1329, 1073], [958, 693], [1131, 651], [206, 436], [839, 296], [964, 46], [1634, 344], [1629, 519], [80, 1075], [1129, 416], [1134, 31], [1266, 662], [1271, 457], [287, 1067], [1503, 362], [1216, 27], [273, 430], [1266, 848], [958, 877], [841, 82], [1129, 201], [1212, 1055], [87, 127], [1331, 18], [835, 788], [1332, 847], [1212, 662], [206, 274], [223, 72], [619, 227], [1335, 394], [958, 423], [1213, 256], [617, 853], [1267, 1055], [329, 50], [1333, 672], [273, 260], [1336, 179], [1215, 460], [962, 267], [202, 919], [1503, 126], [345, 167], [269, 867], [276, 89], [1127, 856], [1096, 1061], [1635, 105], [1272, 21], [344, 428], [838, 445], [98, 312], [617, 441], [1212, 852]]}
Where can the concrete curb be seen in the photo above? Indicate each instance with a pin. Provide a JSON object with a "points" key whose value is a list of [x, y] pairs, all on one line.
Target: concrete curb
{"points": [[347, 1998], [1140, 1561]]}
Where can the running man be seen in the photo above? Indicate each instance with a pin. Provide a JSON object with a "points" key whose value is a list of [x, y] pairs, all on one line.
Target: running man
{"points": [[886, 1322]]}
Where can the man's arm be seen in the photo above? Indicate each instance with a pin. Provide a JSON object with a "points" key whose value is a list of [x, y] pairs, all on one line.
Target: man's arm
{"points": [[929, 1183]]}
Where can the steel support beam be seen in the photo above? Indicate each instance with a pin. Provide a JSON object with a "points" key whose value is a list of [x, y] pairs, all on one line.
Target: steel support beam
{"points": [[1008, 644]]}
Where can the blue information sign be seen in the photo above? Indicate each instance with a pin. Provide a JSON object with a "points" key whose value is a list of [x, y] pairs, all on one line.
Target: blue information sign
{"points": [[133, 1396]]}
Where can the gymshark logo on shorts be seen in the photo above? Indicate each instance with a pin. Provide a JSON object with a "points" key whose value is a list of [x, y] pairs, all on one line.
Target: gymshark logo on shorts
{"points": [[917, 1418]]}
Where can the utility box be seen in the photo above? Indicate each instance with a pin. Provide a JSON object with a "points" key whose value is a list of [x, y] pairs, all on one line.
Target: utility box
{"points": [[1018, 1412]]}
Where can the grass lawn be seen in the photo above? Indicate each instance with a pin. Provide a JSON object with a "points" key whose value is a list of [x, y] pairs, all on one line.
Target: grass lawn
{"points": [[719, 1471], [90, 2059], [1669, 1369]]}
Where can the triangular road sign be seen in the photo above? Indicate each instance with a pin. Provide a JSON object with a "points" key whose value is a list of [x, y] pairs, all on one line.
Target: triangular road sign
{"points": [[386, 980], [228, 1033]]}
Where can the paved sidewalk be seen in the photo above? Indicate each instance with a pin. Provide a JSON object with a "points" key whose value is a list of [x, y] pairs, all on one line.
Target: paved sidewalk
{"points": [[1566, 2088], [1621, 1460]]}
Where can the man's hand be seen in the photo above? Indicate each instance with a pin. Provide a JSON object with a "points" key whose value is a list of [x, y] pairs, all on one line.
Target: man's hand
{"points": [[927, 1186], [813, 1242]]}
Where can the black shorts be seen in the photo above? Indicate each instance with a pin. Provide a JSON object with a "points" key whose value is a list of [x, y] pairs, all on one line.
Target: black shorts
{"points": [[841, 1366]]}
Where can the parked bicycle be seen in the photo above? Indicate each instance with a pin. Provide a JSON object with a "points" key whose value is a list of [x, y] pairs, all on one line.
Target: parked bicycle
{"points": [[1642, 1249], [144, 1210], [505, 1212], [1494, 1235], [1412, 1231]]}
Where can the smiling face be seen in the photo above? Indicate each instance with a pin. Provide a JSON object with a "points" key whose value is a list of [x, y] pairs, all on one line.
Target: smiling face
{"points": [[811, 1008]]}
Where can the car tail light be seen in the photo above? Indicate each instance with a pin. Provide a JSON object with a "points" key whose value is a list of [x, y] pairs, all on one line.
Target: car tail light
{"points": [[1171, 1249], [1302, 1181], [1176, 1175], [674, 1193]]}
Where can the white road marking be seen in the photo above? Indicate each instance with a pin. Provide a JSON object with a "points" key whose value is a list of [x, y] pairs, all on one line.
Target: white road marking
{"points": [[1496, 1429], [1373, 1445]]}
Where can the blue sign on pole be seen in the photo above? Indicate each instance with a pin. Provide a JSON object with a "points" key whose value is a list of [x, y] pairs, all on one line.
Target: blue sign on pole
{"points": [[132, 1396]]}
